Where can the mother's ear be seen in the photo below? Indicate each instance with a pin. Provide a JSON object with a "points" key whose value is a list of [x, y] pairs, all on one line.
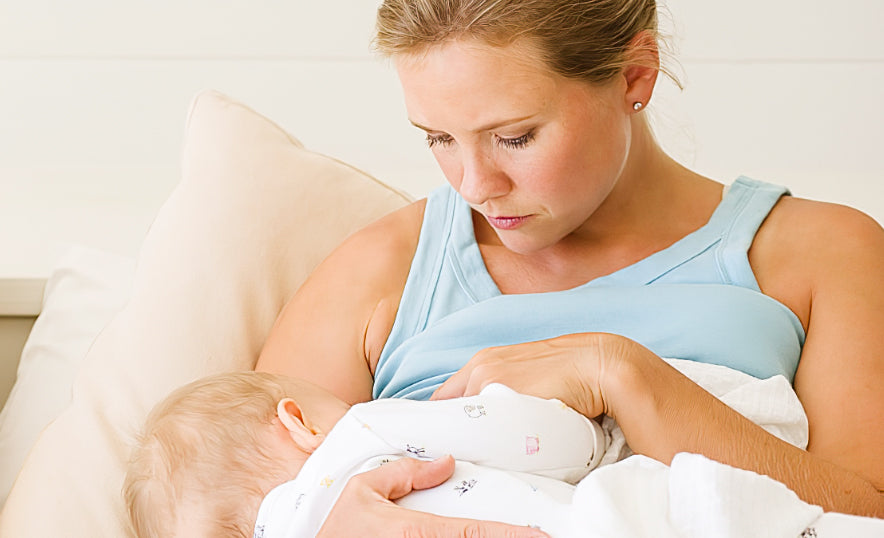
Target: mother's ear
{"points": [[289, 413], [641, 73]]}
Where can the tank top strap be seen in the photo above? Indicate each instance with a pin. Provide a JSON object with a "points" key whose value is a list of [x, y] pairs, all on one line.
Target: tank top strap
{"points": [[423, 276], [466, 265], [446, 274], [752, 202]]}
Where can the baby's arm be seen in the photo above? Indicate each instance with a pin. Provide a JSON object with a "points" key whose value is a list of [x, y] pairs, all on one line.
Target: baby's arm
{"points": [[498, 428]]}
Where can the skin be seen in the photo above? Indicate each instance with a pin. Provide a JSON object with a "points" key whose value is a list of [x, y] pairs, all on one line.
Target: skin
{"points": [[593, 193]]}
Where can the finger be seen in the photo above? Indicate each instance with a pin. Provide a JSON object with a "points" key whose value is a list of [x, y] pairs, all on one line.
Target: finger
{"points": [[443, 527], [457, 385], [430, 474], [397, 479], [482, 376], [453, 387]]}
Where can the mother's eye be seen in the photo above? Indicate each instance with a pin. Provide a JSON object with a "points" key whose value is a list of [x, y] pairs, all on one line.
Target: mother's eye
{"points": [[516, 143], [443, 140]]}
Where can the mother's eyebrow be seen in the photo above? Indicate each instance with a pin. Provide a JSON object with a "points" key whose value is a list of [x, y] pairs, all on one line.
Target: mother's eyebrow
{"points": [[489, 127]]}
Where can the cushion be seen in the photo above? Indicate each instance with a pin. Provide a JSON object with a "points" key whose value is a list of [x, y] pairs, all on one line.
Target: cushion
{"points": [[86, 288], [253, 214]]}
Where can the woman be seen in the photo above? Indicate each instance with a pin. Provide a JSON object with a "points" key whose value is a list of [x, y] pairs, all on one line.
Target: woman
{"points": [[571, 254]]}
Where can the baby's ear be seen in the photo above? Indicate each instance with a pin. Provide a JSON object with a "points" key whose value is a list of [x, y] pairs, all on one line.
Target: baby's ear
{"points": [[290, 415]]}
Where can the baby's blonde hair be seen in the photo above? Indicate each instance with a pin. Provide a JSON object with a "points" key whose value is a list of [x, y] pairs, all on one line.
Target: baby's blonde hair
{"points": [[201, 456]]}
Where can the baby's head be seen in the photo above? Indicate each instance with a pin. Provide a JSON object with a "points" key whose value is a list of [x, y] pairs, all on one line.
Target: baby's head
{"points": [[213, 449]]}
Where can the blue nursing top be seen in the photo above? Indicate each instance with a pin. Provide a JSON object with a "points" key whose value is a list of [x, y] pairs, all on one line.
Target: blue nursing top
{"points": [[696, 299]]}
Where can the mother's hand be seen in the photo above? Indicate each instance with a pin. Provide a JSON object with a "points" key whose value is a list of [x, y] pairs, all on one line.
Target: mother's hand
{"points": [[365, 508], [577, 369]]}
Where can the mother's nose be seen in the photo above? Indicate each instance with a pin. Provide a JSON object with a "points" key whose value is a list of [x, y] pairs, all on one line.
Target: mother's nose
{"points": [[482, 179]]}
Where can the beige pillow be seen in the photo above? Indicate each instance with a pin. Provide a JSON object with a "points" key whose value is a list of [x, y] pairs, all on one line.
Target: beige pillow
{"points": [[85, 291], [252, 216]]}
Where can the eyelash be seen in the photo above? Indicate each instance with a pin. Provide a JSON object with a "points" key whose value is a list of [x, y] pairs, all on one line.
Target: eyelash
{"points": [[517, 143], [433, 140], [511, 143]]}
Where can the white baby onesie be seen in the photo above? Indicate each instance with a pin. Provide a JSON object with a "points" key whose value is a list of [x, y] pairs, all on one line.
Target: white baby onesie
{"points": [[517, 457]]}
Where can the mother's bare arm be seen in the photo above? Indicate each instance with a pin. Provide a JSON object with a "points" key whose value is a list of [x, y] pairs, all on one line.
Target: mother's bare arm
{"points": [[826, 262], [335, 326], [840, 379]]}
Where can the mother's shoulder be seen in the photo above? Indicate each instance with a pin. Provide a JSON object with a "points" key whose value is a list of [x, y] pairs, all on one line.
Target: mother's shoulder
{"points": [[821, 223], [391, 239], [805, 245], [811, 232], [409, 217]]}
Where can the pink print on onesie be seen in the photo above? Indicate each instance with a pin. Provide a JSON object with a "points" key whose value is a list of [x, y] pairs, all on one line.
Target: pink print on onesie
{"points": [[532, 445]]}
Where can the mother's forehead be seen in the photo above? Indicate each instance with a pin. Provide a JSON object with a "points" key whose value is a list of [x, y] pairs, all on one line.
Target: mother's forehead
{"points": [[521, 52], [485, 83]]}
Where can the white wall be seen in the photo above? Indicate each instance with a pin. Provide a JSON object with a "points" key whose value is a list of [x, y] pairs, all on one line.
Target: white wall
{"points": [[93, 96], [787, 91]]}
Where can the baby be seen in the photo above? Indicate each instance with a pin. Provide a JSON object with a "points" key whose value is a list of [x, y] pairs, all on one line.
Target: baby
{"points": [[252, 454]]}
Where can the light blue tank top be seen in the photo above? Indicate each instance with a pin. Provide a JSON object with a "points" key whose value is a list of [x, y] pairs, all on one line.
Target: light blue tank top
{"points": [[698, 299]]}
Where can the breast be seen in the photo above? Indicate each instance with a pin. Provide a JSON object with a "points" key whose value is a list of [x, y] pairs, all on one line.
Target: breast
{"points": [[713, 323]]}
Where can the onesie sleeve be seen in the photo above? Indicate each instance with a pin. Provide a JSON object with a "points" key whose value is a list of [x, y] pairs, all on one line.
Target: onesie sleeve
{"points": [[498, 428]]}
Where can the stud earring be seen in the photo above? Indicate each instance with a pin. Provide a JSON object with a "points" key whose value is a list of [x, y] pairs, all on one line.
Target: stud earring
{"points": [[638, 105]]}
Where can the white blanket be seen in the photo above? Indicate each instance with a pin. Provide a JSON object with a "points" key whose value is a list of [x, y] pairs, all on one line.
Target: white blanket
{"points": [[517, 457], [771, 403]]}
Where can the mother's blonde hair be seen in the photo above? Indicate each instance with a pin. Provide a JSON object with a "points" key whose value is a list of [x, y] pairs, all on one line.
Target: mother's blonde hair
{"points": [[579, 39], [201, 456]]}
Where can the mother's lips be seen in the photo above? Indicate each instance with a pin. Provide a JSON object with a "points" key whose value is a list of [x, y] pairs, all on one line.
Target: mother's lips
{"points": [[506, 223]]}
